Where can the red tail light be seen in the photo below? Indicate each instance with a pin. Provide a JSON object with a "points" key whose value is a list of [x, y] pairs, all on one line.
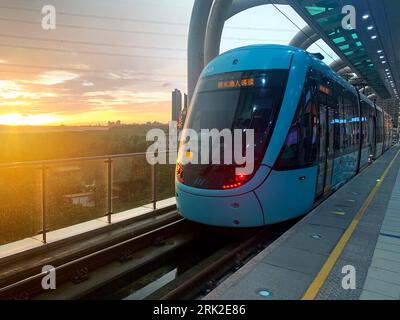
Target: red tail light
{"points": [[212, 177], [232, 186], [240, 179]]}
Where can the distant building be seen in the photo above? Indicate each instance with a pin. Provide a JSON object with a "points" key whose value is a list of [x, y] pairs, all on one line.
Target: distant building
{"points": [[112, 124], [176, 105], [86, 200], [185, 101], [183, 114]]}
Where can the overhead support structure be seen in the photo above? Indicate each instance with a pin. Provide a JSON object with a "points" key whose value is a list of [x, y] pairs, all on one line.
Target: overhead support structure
{"points": [[205, 31], [344, 71], [216, 22], [197, 34], [356, 47], [356, 81], [209, 17], [369, 92], [242, 5], [372, 96], [338, 65], [305, 38], [365, 90]]}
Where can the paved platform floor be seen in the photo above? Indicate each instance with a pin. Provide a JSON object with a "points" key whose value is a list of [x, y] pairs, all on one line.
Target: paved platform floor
{"points": [[347, 248]]}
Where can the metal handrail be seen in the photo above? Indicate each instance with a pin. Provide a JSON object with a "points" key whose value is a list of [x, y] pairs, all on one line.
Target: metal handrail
{"points": [[79, 159], [108, 159]]}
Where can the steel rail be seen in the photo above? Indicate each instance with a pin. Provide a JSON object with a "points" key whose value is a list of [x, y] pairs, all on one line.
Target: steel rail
{"points": [[230, 256], [107, 254]]}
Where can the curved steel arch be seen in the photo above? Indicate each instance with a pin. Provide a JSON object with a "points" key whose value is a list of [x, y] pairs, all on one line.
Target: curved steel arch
{"points": [[206, 27], [338, 65], [205, 31], [344, 71], [221, 11], [305, 38], [216, 22], [242, 5], [197, 32]]}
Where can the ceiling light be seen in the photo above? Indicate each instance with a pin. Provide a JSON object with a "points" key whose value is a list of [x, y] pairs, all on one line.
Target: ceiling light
{"points": [[384, 61], [365, 16], [380, 51], [374, 37], [370, 27], [382, 57]]}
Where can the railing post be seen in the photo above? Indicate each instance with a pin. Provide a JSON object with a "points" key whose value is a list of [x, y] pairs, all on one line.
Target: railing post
{"points": [[109, 189], [44, 204], [154, 185]]}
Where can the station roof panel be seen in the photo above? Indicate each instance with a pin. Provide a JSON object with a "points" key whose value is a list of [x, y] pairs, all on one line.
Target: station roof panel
{"points": [[352, 46]]}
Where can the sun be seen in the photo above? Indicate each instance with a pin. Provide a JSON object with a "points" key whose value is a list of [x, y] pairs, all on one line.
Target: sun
{"points": [[17, 119]]}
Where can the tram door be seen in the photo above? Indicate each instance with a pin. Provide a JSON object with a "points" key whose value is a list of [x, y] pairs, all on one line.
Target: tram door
{"points": [[372, 138], [325, 162]]}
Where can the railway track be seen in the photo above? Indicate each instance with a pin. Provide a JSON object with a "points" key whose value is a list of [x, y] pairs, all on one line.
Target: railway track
{"points": [[77, 267], [228, 250], [206, 275], [102, 272]]}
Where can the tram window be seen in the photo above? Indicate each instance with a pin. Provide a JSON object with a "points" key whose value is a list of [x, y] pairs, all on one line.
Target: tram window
{"points": [[379, 128], [373, 128], [356, 125], [343, 128], [346, 130], [348, 125], [301, 145], [337, 124], [365, 118]]}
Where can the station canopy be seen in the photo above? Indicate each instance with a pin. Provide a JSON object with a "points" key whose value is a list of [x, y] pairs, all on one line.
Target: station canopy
{"points": [[369, 49]]}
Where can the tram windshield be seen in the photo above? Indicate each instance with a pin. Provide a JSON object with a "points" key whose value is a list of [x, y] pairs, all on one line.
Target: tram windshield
{"points": [[238, 100]]}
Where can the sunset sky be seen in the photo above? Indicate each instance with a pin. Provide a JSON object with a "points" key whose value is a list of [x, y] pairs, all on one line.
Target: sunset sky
{"points": [[110, 60]]}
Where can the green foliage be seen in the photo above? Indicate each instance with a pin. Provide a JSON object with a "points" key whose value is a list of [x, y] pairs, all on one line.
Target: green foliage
{"points": [[19, 145], [21, 189]]}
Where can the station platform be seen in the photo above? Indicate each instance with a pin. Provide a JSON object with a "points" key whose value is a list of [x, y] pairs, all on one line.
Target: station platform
{"points": [[348, 248]]}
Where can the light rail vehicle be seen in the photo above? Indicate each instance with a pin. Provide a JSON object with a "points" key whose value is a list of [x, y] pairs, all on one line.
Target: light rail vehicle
{"points": [[313, 133]]}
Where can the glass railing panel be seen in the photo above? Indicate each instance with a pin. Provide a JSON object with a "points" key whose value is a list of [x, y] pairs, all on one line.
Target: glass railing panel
{"points": [[20, 203], [76, 192], [132, 183], [165, 181]]}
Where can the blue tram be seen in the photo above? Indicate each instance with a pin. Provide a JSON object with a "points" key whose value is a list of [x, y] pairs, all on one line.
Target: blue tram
{"points": [[313, 133]]}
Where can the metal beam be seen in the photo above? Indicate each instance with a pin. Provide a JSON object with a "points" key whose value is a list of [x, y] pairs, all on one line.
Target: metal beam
{"points": [[355, 80], [305, 38], [338, 65], [242, 5], [345, 70], [366, 88], [216, 22], [197, 32], [369, 92], [310, 41], [206, 27]]}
